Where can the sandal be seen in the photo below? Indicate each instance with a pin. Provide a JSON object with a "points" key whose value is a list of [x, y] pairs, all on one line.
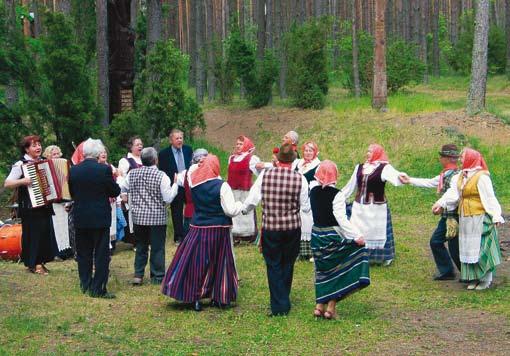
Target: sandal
{"points": [[45, 269], [330, 315], [39, 269], [318, 313]]}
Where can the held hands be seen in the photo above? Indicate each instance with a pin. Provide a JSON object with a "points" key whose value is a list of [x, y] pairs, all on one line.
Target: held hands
{"points": [[437, 209], [404, 178], [259, 166], [360, 241]]}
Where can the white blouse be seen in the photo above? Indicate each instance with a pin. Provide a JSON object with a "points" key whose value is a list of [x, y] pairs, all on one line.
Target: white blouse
{"points": [[485, 189], [124, 164], [388, 174], [16, 170]]}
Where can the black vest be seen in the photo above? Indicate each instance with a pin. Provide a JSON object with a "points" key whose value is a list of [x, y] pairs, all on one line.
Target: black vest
{"points": [[370, 186], [321, 200]]}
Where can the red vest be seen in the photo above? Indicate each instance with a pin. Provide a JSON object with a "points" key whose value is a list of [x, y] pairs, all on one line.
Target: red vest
{"points": [[189, 208], [239, 173]]}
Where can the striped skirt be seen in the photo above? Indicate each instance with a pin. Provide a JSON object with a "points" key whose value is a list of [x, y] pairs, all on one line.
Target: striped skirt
{"points": [[203, 267], [341, 266], [490, 254]]}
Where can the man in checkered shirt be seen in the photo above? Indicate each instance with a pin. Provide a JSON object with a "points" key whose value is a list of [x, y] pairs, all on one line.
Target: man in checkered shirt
{"points": [[283, 193], [150, 190]]}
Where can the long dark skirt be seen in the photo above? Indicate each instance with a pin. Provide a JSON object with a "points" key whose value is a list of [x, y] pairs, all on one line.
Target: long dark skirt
{"points": [[38, 244], [341, 266], [203, 267]]}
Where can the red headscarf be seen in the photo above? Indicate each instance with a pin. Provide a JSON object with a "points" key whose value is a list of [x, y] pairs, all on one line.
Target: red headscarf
{"points": [[313, 146], [208, 169], [473, 160], [78, 156], [327, 173], [248, 146], [378, 154]]}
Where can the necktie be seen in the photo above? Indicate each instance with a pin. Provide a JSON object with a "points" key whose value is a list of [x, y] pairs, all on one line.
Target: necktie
{"points": [[180, 161]]}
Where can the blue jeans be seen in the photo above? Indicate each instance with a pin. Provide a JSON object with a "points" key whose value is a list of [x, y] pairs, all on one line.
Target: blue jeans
{"points": [[442, 256]]}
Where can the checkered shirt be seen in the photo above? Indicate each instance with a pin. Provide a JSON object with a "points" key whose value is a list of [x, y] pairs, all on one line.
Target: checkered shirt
{"points": [[147, 205], [281, 190]]}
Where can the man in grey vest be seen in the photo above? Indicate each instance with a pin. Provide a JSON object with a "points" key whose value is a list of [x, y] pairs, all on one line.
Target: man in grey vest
{"points": [[150, 190], [283, 193]]}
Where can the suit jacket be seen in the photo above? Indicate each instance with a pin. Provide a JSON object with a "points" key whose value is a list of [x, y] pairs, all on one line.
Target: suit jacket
{"points": [[91, 185], [167, 161]]}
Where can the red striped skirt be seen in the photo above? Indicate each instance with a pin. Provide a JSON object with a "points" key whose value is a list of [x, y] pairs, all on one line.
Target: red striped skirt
{"points": [[203, 267]]}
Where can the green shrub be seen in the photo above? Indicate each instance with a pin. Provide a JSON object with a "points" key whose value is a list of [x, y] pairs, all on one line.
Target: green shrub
{"points": [[403, 67], [258, 76], [461, 55], [307, 79]]}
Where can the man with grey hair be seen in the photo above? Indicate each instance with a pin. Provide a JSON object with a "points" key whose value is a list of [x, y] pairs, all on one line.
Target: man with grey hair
{"points": [[176, 159], [290, 138], [92, 185], [149, 191]]}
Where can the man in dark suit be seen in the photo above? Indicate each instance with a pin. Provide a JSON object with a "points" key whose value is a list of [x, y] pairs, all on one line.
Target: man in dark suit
{"points": [[175, 159], [91, 185]]}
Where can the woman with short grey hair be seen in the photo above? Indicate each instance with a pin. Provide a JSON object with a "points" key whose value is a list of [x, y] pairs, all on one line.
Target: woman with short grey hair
{"points": [[93, 148]]}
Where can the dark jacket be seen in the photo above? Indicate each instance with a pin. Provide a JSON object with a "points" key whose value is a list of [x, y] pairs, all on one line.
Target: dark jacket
{"points": [[91, 185], [167, 161]]}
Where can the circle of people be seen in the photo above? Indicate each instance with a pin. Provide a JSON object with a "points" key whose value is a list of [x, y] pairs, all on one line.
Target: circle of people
{"points": [[303, 215]]}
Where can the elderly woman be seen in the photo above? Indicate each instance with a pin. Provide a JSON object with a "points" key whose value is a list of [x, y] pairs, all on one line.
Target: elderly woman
{"points": [[307, 167], [341, 261], [370, 212], [133, 159], [38, 243], [479, 215], [203, 265], [241, 168], [198, 155], [92, 185], [52, 151]]}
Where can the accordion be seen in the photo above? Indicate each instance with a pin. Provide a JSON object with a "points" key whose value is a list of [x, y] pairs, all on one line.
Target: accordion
{"points": [[49, 181]]}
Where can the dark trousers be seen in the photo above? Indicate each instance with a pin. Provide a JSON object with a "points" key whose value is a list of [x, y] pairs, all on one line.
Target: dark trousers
{"points": [[92, 249], [177, 208], [155, 236], [442, 256], [280, 250]]}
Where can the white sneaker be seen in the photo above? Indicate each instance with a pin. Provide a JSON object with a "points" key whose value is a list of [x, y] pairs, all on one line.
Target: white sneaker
{"points": [[311, 259], [387, 263], [472, 286], [483, 285]]}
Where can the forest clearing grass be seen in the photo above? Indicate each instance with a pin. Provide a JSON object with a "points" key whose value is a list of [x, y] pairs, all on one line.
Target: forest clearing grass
{"points": [[48, 315]]}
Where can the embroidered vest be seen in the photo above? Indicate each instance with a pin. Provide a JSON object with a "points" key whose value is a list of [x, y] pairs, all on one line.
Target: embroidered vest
{"points": [[370, 186], [239, 173], [470, 202]]}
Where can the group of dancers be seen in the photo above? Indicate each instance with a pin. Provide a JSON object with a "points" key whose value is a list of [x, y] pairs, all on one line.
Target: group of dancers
{"points": [[303, 215]]}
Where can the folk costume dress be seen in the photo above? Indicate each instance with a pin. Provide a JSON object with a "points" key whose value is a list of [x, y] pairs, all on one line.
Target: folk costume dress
{"points": [[38, 245], [307, 169], [341, 266], [479, 211], [370, 212], [203, 265], [241, 168], [126, 164]]}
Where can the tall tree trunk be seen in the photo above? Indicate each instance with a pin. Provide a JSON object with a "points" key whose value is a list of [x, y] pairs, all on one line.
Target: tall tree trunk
{"points": [[478, 86], [134, 7], [454, 21], [280, 30], [103, 83], [211, 80], [423, 38], [34, 7], [380, 85], [389, 18], [192, 48], [11, 89], [269, 23], [199, 66], [261, 28], [355, 50], [507, 27], [64, 6], [154, 23], [435, 39]]}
